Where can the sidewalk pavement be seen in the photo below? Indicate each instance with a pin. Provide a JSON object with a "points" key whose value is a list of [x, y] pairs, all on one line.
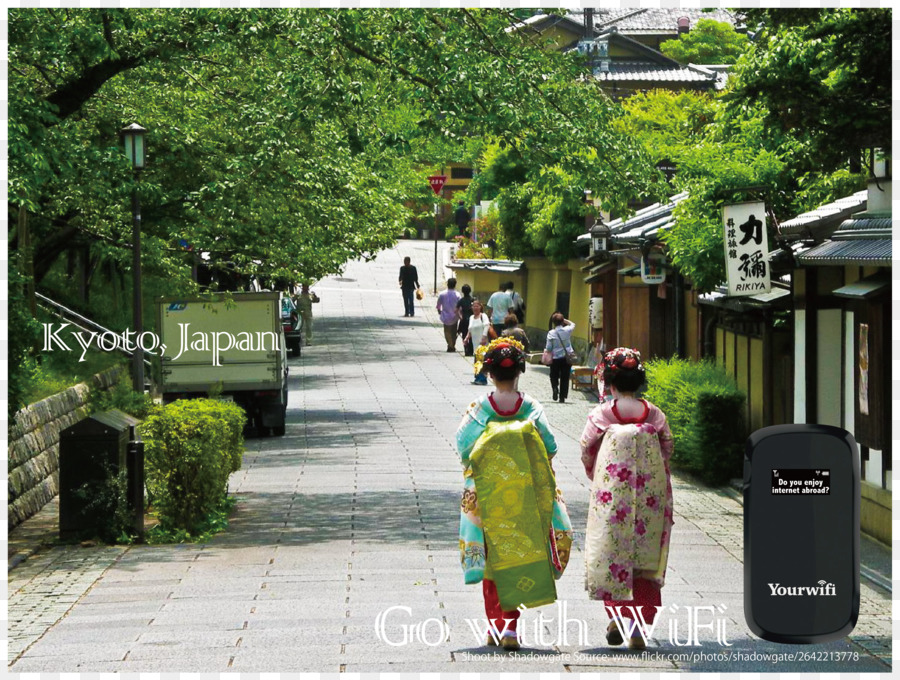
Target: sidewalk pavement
{"points": [[355, 511]]}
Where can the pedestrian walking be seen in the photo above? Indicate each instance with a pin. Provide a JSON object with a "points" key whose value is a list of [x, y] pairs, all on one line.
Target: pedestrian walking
{"points": [[461, 217], [517, 304], [446, 307], [508, 537], [511, 330], [463, 313], [409, 283], [304, 306], [498, 305], [479, 334], [625, 449], [557, 349]]}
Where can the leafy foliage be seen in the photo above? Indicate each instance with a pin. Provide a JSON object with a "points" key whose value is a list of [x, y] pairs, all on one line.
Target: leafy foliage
{"points": [[22, 336], [285, 142], [122, 397], [540, 192], [191, 447], [789, 130], [668, 124], [704, 409], [715, 175], [821, 76], [105, 501], [709, 42]]}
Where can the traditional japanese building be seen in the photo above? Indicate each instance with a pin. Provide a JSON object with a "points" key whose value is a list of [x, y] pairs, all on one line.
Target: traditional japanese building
{"points": [[841, 356], [623, 46]]}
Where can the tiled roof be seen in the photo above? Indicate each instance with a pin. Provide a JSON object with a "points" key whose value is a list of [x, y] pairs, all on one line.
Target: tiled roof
{"points": [[824, 218], [637, 21], [647, 71], [508, 266], [867, 252], [862, 226], [863, 240], [645, 223]]}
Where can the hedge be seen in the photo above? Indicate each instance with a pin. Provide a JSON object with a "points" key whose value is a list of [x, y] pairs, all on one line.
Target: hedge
{"points": [[191, 447], [705, 409]]}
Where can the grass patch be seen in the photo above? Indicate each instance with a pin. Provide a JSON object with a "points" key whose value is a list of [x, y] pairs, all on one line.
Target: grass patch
{"points": [[59, 371]]}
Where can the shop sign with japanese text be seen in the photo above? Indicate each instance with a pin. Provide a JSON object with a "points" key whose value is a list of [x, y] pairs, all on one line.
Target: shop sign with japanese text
{"points": [[746, 249]]}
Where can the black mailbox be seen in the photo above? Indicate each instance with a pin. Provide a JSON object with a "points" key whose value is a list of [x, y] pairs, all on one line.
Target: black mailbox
{"points": [[92, 451]]}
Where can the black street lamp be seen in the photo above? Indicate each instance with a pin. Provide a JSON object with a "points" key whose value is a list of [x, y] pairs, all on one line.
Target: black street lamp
{"points": [[133, 136]]}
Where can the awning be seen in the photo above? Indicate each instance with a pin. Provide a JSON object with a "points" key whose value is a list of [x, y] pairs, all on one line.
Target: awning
{"points": [[503, 266], [862, 289], [771, 296], [598, 271], [863, 252], [777, 298]]}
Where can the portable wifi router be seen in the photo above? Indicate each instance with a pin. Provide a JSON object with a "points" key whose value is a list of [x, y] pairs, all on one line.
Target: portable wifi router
{"points": [[801, 533]]}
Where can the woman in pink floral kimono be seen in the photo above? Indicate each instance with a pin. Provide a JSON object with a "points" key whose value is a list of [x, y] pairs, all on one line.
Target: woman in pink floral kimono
{"points": [[625, 448]]}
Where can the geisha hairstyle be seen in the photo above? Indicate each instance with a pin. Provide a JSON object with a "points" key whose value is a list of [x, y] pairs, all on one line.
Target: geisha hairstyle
{"points": [[505, 359], [622, 369]]}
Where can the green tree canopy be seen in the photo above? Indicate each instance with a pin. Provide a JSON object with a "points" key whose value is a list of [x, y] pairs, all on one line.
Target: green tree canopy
{"points": [[285, 141], [803, 103], [820, 76], [709, 42]]}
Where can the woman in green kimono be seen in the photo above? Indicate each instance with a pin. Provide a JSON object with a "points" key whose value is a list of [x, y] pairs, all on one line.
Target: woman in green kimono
{"points": [[514, 534]]}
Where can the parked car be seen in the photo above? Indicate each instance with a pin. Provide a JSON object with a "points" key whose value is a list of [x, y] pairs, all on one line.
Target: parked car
{"points": [[290, 322]]}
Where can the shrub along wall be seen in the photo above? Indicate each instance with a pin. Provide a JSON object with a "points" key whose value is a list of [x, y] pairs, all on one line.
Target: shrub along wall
{"points": [[704, 408], [34, 445]]}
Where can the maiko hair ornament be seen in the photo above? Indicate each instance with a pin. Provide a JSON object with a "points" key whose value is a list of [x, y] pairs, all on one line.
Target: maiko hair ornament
{"points": [[620, 358], [503, 352]]}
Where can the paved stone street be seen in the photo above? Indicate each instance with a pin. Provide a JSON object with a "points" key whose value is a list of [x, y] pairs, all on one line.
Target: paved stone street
{"points": [[355, 510]]}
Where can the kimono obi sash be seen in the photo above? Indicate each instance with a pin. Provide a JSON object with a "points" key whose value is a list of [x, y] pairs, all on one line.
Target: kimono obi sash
{"points": [[516, 489]]}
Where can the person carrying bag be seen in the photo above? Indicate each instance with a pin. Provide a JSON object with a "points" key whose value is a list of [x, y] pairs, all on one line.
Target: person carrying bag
{"points": [[561, 355]]}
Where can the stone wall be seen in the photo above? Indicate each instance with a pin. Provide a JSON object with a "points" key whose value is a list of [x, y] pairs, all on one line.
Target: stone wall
{"points": [[34, 445]]}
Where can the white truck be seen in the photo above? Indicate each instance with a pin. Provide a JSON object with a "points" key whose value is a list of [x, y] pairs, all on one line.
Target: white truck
{"points": [[230, 346]]}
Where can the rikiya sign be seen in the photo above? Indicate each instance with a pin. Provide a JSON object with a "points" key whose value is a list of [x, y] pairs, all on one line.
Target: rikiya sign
{"points": [[746, 249], [437, 183]]}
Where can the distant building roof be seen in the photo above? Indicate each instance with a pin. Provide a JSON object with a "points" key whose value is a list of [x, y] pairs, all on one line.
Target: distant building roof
{"points": [[643, 71], [824, 219], [645, 224], [506, 266], [650, 20], [659, 20]]}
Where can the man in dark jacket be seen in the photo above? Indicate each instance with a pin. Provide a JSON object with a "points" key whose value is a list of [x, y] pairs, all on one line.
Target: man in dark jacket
{"points": [[461, 217], [409, 281]]}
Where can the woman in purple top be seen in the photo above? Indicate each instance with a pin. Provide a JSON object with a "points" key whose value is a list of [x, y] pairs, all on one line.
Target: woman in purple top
{"points": [[446, 306]]}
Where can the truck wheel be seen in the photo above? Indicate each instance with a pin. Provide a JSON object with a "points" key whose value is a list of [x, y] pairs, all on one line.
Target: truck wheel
{"points": [[261, 430], [278, 430]]}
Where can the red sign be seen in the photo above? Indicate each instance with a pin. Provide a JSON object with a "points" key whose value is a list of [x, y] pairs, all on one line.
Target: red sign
{"points": [[437, 183]]}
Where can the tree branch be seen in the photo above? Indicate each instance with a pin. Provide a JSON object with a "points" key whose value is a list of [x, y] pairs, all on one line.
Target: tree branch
{"points": [[107, 31]]}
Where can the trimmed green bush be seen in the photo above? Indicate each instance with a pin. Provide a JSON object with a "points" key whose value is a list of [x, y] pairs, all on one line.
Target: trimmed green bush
{"points": [[704, 408], [191, 447]]}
